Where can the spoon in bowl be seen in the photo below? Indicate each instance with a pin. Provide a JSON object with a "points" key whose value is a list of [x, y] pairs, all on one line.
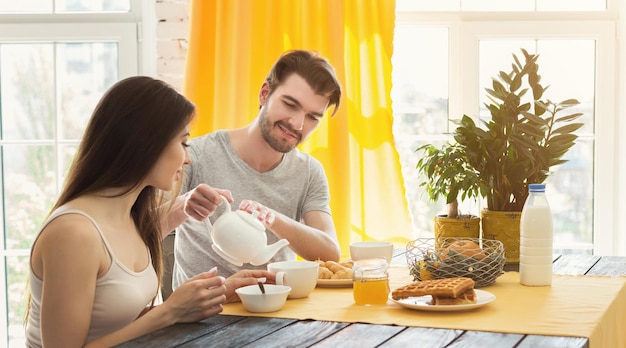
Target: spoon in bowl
{"points": [[260, 282]]}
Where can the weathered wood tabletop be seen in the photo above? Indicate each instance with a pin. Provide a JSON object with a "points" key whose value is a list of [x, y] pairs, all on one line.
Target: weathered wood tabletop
{"points": [[241, 331]]}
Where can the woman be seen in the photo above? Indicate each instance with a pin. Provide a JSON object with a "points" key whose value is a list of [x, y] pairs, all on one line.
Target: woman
{"points": [[96, 264]]}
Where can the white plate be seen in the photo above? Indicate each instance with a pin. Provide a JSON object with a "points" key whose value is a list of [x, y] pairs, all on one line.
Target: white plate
{"points": [[423, 302], [334, 283]]}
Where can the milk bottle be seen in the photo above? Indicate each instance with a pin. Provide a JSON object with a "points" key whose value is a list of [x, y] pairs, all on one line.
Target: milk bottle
{"points": [[535, 265]]}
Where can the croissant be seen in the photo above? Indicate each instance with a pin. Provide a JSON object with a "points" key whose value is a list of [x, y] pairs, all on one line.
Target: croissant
{"points": [[324, 273], [334, 266], [345, 273], [334, 270], [348, 264]]}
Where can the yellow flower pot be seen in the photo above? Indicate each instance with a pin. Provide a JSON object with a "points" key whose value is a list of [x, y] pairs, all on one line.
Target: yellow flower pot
{"points": [[503, 226], [468, 227]]}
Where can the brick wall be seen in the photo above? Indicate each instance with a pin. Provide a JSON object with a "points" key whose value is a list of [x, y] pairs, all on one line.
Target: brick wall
{"points": [[172, 32]]}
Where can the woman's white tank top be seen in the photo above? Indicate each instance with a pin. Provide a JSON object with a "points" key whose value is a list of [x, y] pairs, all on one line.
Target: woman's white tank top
{"points": [[121, 294]]}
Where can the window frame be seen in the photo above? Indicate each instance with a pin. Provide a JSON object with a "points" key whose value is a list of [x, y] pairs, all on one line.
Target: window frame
{"points": [[465, 31], [604, 175], [135, 34]]}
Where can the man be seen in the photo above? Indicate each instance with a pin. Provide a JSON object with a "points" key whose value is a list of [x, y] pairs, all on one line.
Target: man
{"points": [[258, 168]]}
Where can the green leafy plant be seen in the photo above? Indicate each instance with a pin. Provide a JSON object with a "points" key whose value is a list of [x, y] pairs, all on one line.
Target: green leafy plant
{"points": [[448, 175], [517, 146]]}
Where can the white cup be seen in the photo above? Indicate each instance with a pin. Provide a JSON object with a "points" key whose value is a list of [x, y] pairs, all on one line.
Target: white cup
{"points": [[301, 276], [371, 250]]}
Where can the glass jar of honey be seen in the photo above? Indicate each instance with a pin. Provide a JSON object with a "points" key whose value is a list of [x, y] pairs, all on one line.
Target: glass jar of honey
{"points": [[370, 282]]}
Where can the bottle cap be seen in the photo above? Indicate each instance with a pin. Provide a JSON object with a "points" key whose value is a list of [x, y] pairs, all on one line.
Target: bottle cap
{"points": [[536, 187]]}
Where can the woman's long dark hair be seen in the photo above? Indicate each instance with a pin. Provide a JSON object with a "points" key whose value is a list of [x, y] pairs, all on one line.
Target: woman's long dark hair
{"points": [[129, 129]]}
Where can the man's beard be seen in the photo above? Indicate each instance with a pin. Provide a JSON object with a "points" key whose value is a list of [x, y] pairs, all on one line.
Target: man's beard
{"points": [[275, 143]]}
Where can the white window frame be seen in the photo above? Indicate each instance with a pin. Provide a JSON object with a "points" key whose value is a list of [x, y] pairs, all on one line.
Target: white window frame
{"points": [[466, 29], [123, 33], [135, 33], [604, 171]]}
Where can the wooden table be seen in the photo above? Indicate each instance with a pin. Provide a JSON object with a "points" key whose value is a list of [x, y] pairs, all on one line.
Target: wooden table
{"points": [[240, 331]]}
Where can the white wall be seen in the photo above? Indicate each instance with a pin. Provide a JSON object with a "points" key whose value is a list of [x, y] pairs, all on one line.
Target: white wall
{"points": [[621, 123], [172, 32]]}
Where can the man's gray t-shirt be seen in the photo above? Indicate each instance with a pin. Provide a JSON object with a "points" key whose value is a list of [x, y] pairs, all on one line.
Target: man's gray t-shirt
{"points": [[296, 186]]}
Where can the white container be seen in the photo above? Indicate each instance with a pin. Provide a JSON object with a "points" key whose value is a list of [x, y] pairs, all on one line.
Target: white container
{"points": [[536, 260], [535, 275], [536, 242], [371, 250], [535, 251], [536, 220], [535, 266]]}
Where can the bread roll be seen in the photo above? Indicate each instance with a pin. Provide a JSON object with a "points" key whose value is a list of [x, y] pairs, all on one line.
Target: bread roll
{"points": [[334, 266], [464, 247], [324, 273], [348, 264], [335, 270], [343, 274]]}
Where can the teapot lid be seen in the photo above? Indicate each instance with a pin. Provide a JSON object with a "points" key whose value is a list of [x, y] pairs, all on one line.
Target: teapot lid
{"points": [[251, 219]]}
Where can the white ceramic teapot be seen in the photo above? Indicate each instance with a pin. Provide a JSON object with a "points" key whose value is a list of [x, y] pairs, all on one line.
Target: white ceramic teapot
{"points": [[239, 237]]}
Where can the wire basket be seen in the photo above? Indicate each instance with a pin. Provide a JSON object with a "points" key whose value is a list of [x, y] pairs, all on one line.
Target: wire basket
{"points": [[483, 265]]}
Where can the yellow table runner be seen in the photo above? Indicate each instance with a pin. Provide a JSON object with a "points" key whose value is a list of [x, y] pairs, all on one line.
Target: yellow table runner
{"points": [[579, 306]]}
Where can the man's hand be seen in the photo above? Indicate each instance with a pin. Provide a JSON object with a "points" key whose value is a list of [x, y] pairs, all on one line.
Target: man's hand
{"points": [[202, 201], [266, 215]]}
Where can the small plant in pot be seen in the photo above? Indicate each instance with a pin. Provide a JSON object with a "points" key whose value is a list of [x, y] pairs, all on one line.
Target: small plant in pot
{"points": [[447, 174], [523, 139]]}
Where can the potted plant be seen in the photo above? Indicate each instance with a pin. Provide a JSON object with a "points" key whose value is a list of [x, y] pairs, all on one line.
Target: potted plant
{"points": [[517, 146], [447, 174]]}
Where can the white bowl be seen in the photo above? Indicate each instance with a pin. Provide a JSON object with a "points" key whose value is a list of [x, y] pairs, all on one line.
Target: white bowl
{"points": [[371, 250], [256, 302]]}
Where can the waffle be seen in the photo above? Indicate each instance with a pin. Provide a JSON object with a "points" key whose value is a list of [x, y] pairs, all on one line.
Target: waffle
{"points": [[447, 287], [467, 297]]}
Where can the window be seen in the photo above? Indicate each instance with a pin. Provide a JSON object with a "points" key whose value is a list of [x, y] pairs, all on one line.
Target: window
{"points": [[56, 60], [443, 61]]}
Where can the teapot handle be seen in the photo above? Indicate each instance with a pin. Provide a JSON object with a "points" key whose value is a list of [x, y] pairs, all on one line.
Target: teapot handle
{"points": [[226, 203]]}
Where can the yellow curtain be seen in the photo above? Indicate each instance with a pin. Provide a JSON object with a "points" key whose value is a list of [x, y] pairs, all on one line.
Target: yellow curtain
{"points": [[233, 44]]}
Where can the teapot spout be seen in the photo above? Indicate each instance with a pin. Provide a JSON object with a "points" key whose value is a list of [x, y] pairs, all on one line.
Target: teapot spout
{"points": [[268, 252]]}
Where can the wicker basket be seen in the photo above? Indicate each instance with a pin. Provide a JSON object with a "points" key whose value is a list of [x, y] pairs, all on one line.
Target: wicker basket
{"points": [[428, 262]]}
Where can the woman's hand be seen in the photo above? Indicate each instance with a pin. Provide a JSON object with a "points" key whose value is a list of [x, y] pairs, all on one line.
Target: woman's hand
{"points": [[243, 278], [198, 298]]}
